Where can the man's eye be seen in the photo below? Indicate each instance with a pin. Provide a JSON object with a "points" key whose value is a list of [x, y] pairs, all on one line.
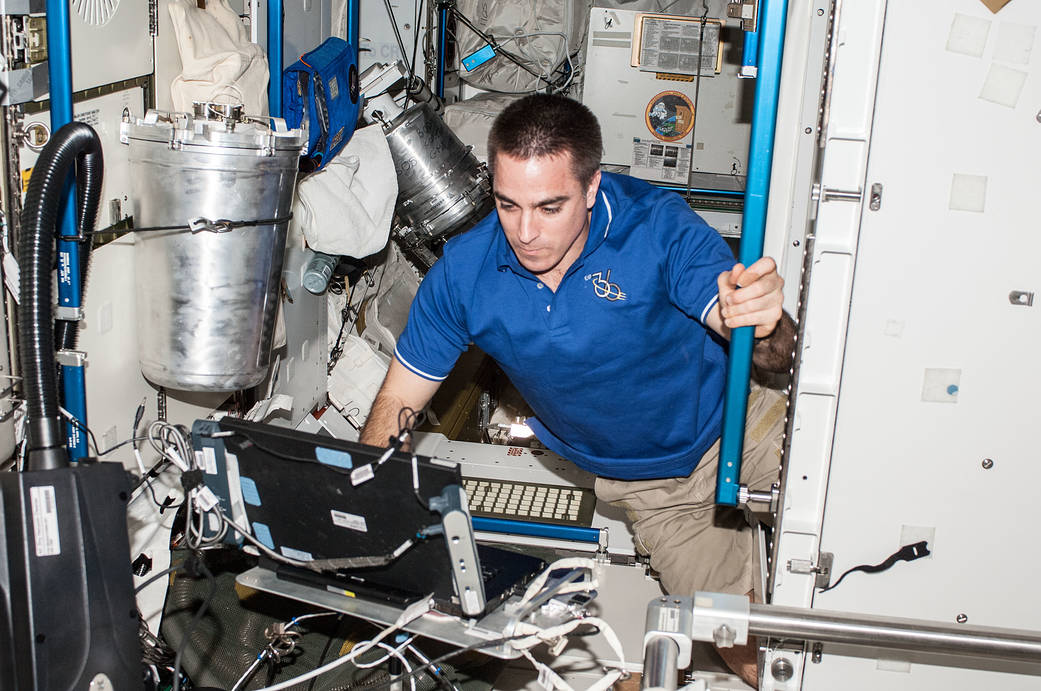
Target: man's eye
{"points": [[504, 206], [551, 209]]}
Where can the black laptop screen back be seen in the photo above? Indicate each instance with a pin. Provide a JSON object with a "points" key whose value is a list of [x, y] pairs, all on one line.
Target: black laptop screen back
{"points": [[300, 502]]}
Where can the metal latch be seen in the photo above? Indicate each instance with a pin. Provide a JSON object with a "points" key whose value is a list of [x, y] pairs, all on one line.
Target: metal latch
{"points": [[822, 568], [830, 194], [745, 10]]}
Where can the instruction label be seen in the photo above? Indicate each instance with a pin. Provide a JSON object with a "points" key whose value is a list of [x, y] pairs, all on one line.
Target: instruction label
{"points": [[45, 521], [668, 620], [660, 161]]}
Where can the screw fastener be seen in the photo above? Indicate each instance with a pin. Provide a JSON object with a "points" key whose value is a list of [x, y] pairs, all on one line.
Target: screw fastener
{"points": [[782, 669]]}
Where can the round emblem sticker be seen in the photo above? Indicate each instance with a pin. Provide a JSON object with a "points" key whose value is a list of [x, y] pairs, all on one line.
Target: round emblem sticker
{"points": [[670, 116]]}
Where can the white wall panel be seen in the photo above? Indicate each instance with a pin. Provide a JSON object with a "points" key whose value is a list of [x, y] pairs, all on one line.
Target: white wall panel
{"points": [[939, 369]]}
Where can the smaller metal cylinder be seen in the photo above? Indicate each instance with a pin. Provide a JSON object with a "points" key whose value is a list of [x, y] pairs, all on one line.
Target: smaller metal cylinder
{"points": [[318, 272], [659, 664]]}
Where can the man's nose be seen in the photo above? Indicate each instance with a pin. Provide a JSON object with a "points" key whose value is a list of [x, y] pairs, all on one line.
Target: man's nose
{"points": [[528, 230]]}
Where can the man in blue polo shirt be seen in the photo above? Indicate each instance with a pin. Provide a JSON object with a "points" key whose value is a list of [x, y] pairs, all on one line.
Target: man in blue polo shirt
{"points": [[608, 303]]}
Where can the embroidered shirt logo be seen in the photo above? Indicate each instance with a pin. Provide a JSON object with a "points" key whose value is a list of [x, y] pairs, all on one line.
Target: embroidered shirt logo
{"points": [[604, 288]]}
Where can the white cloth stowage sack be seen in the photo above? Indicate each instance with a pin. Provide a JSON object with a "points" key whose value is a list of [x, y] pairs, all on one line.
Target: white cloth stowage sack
{"points": [[346, 207], [219, 63]]}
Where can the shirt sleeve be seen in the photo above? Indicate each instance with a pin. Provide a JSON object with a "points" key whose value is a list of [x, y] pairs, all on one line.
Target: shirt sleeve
{"points": [[695, 255], [435, 334]]}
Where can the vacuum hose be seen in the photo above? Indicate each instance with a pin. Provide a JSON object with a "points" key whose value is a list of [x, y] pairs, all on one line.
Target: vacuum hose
{"points": [[75, 143]]}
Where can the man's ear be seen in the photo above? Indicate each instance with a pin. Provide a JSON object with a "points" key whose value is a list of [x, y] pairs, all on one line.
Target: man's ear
{"points": [[594, 187]]}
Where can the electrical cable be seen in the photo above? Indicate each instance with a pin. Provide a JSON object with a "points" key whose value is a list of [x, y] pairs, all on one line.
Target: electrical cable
{"points": [[336, 352], [258, 544], [490, 40], [325, 651], [121, 445], [79, 425], [281, 643], [412, 63], [448, 656], [411, 612], [535, 587], [345, 313], [284, 455], [155, 577], [438, 672], [697, 93], [391, 652]]}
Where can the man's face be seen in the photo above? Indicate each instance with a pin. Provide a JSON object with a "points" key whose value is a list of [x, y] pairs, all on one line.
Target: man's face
{"points": [[544, 210]]}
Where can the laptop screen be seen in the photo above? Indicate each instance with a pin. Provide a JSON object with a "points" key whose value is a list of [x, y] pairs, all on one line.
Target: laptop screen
{"points": [[295, 491]]}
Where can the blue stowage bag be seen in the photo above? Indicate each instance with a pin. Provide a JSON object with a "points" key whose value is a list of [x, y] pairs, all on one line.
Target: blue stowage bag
{"points": [[322, 86]]}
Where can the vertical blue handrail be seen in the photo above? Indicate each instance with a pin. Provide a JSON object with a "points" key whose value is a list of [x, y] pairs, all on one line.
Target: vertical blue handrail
{"points": [[750, 56], [353, 19], [274, 57], [772, 15], [59, 65], [442, 46]]}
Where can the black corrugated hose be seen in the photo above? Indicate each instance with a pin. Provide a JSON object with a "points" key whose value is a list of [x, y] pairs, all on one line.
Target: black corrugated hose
{"points": [[74, 144]]}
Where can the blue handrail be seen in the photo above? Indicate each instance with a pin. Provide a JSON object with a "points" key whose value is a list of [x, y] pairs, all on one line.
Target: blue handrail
{"points": [[353, 17], [547, 530], [59, 66], [750, 56], [442, 46], [275, 57], [772, 15]]}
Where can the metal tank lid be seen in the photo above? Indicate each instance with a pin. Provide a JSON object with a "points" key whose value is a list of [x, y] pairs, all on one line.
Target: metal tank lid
{"points": [[213, 125]]}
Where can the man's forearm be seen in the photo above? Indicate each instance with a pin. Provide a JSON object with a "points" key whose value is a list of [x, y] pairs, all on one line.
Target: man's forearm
{"points": [[382, 423], [776, 352]]}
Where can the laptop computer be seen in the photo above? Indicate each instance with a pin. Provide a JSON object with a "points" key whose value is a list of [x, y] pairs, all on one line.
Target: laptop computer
{"points": [[314, 499]]}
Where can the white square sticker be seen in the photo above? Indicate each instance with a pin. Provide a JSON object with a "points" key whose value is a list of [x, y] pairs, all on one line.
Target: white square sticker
{"points": [[349, 520]]}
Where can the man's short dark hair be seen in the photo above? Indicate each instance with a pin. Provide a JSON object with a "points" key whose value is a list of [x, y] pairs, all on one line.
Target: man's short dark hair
{"points": [[548, 125]]}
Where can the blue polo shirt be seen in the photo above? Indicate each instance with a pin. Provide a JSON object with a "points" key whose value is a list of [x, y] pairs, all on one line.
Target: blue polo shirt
{"points": [[624, 377]]}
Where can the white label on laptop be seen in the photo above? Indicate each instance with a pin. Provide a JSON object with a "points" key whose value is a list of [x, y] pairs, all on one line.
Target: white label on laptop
{"points": [[297, 554], [349, 520], [362, 473], [45, 521]]}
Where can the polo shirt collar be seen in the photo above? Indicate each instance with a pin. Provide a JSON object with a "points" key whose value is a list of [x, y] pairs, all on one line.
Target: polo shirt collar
{"points": [[599, 228]]}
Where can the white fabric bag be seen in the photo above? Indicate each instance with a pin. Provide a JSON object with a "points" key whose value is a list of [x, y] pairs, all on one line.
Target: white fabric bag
{"points": [[346, 207], [219, 63]]}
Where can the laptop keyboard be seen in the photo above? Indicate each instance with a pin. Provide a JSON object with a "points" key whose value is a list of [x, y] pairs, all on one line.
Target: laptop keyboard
{"points": [[530, 501]]}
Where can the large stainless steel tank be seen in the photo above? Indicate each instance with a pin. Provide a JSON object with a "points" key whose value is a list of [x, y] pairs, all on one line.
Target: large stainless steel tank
{"points": [[442, 188], [207, 301]]}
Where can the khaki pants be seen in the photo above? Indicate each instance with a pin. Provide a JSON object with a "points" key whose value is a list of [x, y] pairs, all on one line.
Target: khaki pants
{"points": [[691, 544]]}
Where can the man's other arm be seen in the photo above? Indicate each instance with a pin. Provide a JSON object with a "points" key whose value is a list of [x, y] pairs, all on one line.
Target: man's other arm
{"points": [[753, 296], [401, 389]]}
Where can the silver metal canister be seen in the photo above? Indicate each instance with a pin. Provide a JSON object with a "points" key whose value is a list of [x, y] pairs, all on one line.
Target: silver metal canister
{"points": [[207, 298], [442, 187]]}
